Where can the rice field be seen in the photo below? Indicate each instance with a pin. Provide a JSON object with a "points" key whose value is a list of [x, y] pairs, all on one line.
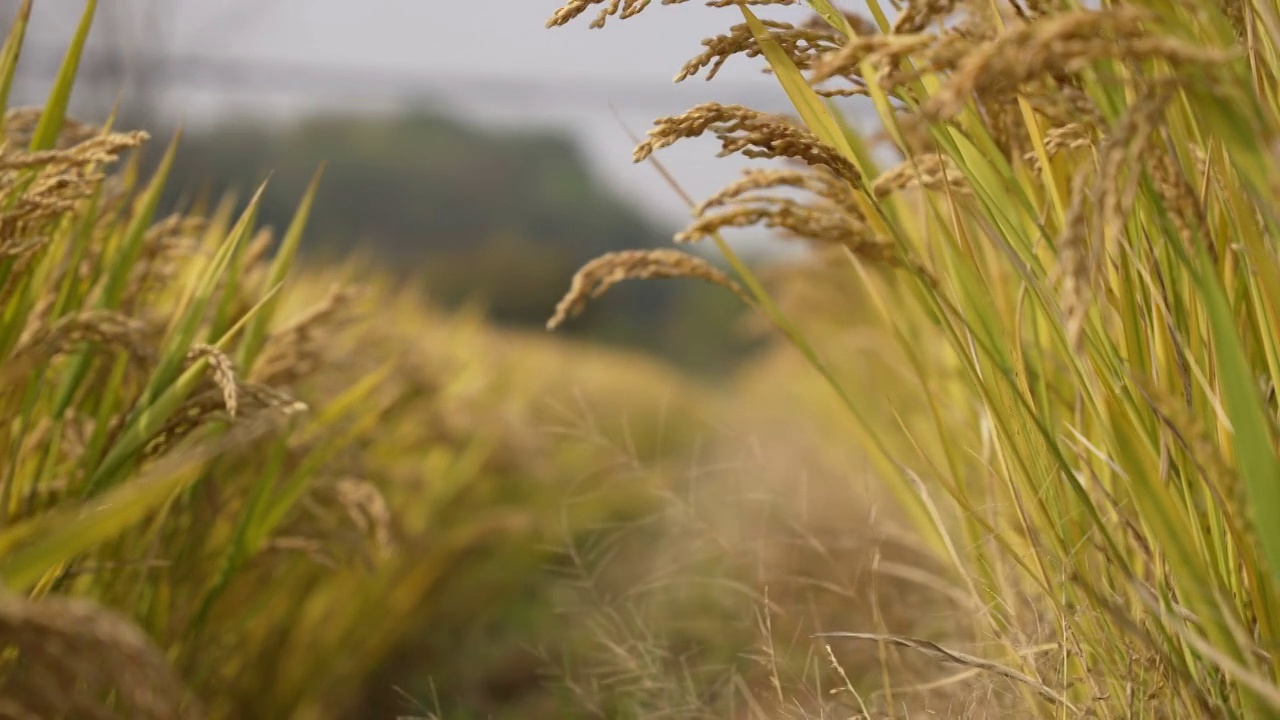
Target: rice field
{"points": [[1011, 453]]}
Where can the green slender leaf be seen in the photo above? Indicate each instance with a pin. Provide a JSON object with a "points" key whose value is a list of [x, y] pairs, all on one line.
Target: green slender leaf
{"points": [[122, 264], [55, 108], [832, 16], [163, 398], [12, 51], [256, 334], [29, 550], [354, 402], [190, 314], [1259, 466], [813, 110], [808, 103]]}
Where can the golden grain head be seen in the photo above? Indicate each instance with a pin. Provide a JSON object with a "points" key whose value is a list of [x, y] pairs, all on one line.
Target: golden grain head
{"points": [[920, 14], [820, 223], [931, 171], [19, 125], [1075, 277], [1181, 202], [802, 44], [223, 372], [1059, 45], [166, 248], [878, 50], [295, 349], [751, 133], [799, 219], [596, 277], [572, 9], [831, 217], [99, 150], [1083, 238], [624, 9], [1072, 136], [366, 507], [1121, 149], [271, 399], [248, 402], [194, 412], [103, 329], [979, 62], [78, 659], [174, 226], [818, 181], [29, 217]]}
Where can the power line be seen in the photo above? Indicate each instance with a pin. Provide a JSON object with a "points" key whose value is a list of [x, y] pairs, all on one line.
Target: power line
{"points": [[235, 76]]}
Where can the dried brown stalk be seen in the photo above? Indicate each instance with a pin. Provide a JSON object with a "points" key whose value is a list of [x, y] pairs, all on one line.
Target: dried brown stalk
{"points": [[938, 652]]}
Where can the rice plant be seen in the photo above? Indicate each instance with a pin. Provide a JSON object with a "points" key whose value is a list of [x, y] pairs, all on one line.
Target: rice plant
{"points": [[232, 487], [1074, 261]]}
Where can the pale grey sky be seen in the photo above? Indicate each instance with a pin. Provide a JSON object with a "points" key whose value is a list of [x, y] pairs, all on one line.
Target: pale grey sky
{"points": [[490, 60]]}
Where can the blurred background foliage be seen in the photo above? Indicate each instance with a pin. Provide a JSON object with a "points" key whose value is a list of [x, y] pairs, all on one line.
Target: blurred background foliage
{"points": [[477, 218]]}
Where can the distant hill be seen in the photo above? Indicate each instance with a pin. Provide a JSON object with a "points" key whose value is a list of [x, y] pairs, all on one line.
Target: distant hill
{"points": [[500, 218]]}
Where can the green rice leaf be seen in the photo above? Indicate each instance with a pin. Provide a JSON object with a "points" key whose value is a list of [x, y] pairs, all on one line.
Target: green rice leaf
{"points": [[55, 108], [11, 51], [1250, 428]]}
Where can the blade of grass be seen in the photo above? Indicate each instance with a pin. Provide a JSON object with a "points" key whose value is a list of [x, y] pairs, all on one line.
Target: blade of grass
{"points": [[255, 336], [12, 51], [1255, 451], [55, 108], [29, 550], [122, 265]]}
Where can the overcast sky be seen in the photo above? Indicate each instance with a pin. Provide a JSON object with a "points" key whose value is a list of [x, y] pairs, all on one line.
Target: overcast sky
{"points": [[490, 60]]}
